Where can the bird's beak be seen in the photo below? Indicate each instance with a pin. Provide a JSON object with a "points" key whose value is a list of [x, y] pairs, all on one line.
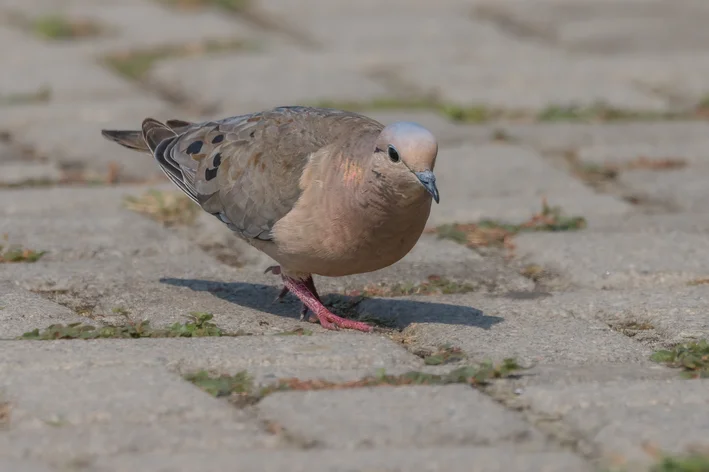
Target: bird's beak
{"points": [[428, 180]]}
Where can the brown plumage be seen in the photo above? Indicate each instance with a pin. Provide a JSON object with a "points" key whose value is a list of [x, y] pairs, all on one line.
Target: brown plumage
{"points": [[320, 191]]}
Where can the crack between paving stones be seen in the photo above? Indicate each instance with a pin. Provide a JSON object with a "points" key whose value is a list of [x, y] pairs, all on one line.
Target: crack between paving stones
{"points": [[553, 427]]}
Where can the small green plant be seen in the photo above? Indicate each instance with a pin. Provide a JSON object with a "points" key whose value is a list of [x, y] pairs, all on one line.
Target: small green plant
{"points": [[198, 326], [223, 385], [446, 354], [692, 358]]}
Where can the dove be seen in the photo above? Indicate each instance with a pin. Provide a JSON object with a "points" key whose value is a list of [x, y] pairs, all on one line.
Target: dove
{"points": [[320, 191]]}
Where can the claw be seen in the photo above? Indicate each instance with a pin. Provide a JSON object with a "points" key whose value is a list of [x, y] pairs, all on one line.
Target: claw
{"points": [[274, 269], [283, 293]]}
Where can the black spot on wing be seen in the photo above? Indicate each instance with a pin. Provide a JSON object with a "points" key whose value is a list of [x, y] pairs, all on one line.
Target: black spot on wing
{"points": [[194, 148], [218, 139], [217, 160], [210, 174]]}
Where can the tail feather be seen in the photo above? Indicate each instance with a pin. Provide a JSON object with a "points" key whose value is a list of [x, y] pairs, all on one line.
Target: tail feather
{"points": [[154, 132], [147, 139], [130, 139]]}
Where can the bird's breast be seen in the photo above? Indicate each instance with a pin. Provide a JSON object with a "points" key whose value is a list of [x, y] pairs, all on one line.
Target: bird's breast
{"points": [[349, 241]]}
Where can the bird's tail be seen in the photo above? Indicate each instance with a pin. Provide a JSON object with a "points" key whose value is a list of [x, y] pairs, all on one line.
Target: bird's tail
{"points": [[136, 140], [130, 139]]}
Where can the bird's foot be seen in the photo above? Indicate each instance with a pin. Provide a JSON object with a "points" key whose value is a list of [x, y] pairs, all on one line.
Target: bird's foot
{"points": [[305, 291]]}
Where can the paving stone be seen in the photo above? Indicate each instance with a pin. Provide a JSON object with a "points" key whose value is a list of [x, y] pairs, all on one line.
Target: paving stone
{"points": [[23, 465], [70, 133], [531, 326], [508, 182], [144, 25], [469, 459], [637, 259], [73, 76], [442, 29], [658, 317], [70, 201], [13, 174], [123, 235], [620, 418], [311, 78], [335, 418], [58, 442], [74, 413], [22, 311], [607, 27], [503, 81], [684, 188], [141, 395], [335, 356]]}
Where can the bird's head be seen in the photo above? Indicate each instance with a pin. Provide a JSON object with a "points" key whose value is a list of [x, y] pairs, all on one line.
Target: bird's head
{"points": [[407, 153]]}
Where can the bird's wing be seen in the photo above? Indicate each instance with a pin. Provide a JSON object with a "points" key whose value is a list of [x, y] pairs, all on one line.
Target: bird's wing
{"points": [[246, 170]]}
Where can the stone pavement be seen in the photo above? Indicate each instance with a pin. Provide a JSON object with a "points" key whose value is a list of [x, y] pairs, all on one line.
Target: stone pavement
{"points": [[595, 105]]}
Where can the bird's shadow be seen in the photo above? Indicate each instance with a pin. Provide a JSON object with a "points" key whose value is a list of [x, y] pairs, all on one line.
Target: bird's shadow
{"points": [[388, 312]]}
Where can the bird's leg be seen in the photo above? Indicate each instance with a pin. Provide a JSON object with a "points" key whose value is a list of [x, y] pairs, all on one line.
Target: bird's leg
{"points": [[310, 285], [276, 270], [327, 319]]}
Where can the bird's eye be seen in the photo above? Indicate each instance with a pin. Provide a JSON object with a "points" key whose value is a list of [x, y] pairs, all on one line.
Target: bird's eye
{"points": [[393, 154]]}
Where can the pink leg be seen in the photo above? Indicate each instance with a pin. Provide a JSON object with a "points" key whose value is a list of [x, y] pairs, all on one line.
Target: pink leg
{"points": [[284, 291], [327, 319]]}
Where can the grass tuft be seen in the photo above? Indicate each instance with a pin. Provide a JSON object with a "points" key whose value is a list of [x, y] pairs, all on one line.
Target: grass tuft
{"points": [[491, 233], [171, 208]]}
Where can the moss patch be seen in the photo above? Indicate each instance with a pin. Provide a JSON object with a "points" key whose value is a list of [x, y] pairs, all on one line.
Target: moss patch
{"points": [[435, 285], [15, 254], [229, 5], [599, 112], [491, 233], [296, 332], [445, 354], [689, 463], [136, 64], [198, 326], [692, 358], [242, 386], [171, 208], [43, 95], [4, 414], [57, 27]]}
